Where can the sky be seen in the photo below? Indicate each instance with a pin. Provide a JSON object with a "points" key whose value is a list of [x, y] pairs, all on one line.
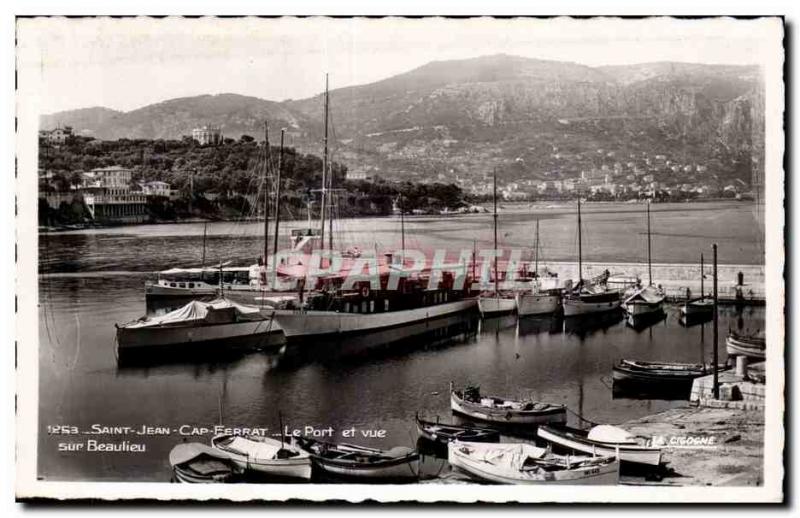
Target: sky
{"points": [[125, 64]]}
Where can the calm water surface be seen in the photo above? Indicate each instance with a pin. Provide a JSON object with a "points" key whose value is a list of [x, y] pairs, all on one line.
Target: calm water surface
{"points": [[96, 279]]}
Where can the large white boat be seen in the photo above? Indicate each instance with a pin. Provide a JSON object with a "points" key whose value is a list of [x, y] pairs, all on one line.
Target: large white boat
{"points": [[352, 312], [219, 323], [520, 463]]}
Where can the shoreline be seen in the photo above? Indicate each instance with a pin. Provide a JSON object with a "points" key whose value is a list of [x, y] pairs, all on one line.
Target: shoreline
{"points": [[735, 459], [511, 208]]}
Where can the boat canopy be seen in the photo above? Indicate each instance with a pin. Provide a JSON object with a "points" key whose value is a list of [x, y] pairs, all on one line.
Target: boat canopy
{"points": [[197, 310], [649, 294], [255, 449], [513, 455], [185, 452], [611, 434]]}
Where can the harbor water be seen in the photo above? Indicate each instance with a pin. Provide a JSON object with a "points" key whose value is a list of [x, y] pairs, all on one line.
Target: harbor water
{"points": [[92, 279]]}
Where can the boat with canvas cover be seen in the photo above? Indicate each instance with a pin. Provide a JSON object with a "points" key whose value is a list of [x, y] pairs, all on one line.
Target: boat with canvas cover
{"points": [[520, 463], [753, 346], [265, 455], [604, 440], [218, 322], [362, 463], [443, 433], [195, 463], [493, 409]]}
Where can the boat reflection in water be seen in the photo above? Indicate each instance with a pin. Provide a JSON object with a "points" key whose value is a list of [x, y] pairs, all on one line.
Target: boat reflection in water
{"points": [[429, 334], [497, 324], [643, 321], [550, 324], [583, 327], [690, 320]]}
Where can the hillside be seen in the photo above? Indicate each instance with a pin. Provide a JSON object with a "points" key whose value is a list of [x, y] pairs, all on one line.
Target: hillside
{"points": [[530, 118]]}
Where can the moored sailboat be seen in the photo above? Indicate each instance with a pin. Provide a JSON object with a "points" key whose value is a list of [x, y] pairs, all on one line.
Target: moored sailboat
{"points": [[539, 300], [648, 301], [700, 307], [496, 303], [592, 296]]}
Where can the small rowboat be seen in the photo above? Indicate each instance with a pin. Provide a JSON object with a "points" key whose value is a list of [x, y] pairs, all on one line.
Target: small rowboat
{"points": [[196, 463], [660, 372], [518, 463], [603, 440], [506, 411], [744, 345], [444, 433], [360, 462], [264, 455]]}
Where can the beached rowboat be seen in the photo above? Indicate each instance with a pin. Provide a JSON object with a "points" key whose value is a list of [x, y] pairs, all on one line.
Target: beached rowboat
{"points": [[265, 455], [444, 433], [502, 410], [518, 463], [360, 462], [603, 440], [196, 463]]}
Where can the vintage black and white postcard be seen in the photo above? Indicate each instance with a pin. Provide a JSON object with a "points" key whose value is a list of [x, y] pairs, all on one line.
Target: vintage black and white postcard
{"points": [[400, 259]]}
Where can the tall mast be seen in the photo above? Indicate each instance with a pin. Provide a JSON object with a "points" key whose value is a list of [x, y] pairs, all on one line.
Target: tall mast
{"points": [[495, 233], [330, 206], [402, 230], [702, 276], [278, 196], [266, 196], [536, 251], [580, 251], [649, 264], [324, 166]]}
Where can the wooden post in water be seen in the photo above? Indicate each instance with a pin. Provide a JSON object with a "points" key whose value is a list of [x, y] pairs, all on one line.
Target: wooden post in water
{"points": [[702, 276], [580, 251], [716, 326], [649, 261]]}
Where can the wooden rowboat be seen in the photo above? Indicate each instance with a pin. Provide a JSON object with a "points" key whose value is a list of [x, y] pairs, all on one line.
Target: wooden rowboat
{"points": [[265, 455], [360, 462], [196, 463], [744, 345], [502, 410], [660, 372], [519, 463], [444, 433], [603, 440]]}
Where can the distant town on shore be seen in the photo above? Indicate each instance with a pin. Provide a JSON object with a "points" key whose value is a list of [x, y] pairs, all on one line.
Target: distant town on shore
{"points": [[83, 180]]}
